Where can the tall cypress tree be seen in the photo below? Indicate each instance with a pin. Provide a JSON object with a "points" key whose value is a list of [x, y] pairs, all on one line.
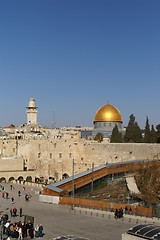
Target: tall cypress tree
{"points": [[147, 132], [158, 133], [116, 136], [129, 129], [137, 133], [153, 135], [133, 131]]}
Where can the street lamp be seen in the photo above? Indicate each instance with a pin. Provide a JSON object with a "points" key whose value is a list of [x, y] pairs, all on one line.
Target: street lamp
{"points": [[73, 178], [92, 177], [128, 198], [72, 207]]}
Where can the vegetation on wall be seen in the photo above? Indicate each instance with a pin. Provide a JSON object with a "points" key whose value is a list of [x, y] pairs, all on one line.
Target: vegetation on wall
{"points": [[99, 137], [148, 181]]}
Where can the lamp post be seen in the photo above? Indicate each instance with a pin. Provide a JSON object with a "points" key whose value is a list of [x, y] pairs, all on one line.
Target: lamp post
{"points": [[92, 177], [128, 198], [73, 178]]}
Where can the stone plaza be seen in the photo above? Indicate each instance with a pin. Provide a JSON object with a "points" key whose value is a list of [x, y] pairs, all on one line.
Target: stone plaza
{"points": [[60, 222]]}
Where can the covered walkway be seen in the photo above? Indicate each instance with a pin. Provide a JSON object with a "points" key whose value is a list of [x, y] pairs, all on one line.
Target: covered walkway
{"points": [[64, 187]]}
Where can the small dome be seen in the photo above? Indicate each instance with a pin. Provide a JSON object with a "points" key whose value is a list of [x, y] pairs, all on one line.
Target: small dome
{"points": [[32, 103], [108, 113]]}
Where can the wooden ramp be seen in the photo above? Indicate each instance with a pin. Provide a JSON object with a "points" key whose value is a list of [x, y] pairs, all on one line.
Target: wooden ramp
{"points": [[131, 184]]}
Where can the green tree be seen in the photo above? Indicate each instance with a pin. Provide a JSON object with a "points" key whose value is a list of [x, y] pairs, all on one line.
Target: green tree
{"points": [[133, 132], [116, 136], [147, 132], [99, 137], [153, 135], [158, 133]]}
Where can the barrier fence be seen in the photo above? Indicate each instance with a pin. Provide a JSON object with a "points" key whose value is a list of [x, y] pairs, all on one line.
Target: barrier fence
{"points": [[105, 205]]}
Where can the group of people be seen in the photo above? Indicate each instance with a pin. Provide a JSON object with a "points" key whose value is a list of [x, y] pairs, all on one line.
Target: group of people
{"points": [[21, 230], [120, 212], [18, 230], [13, 212]]}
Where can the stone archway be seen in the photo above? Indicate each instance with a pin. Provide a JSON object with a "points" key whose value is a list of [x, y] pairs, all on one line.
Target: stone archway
{"points": [[3, 179], [37, 180], [65, 175], [51, 179], [20, 179], [28, 179], [11, 179]]}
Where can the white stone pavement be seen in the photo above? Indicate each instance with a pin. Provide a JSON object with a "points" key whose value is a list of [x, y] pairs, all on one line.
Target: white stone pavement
{"points": [[61, 221]]}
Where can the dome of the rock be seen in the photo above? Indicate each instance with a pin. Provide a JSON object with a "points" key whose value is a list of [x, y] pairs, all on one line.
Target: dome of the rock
{"points": [[108, 113]]}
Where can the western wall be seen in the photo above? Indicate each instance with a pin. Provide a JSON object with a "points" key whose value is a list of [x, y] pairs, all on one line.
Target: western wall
{"points": [[52, 157]]}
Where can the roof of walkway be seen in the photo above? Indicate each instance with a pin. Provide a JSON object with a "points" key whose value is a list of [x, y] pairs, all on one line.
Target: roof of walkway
{"points": [[58, 186]]}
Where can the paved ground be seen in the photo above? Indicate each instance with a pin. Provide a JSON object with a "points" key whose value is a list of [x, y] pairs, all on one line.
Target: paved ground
{"points": [[60, 222]]}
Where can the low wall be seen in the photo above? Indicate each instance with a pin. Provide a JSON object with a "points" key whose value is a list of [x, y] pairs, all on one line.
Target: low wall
{"points": [[49, 199], [32, 184]]}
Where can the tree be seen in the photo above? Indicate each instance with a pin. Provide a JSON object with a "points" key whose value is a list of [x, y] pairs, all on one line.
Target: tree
{"points": [[99, 137], [158, 133], [116, 136], [153, 135], [133, 132], [147, 132]]}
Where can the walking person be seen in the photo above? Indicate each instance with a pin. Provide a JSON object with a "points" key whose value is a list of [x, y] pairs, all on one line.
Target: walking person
{"points": [[40, 231], [36, 231], [12, 200], [14, 211], [11, 212], [20, 211], [7, 194], [20, 234]]}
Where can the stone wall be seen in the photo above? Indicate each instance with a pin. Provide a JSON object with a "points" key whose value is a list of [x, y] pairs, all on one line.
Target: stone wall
{"points": [[11, 164], [54, 157]]}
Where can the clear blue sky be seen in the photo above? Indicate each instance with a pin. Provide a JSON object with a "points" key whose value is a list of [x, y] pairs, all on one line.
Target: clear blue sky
{"points": [[73, 55]]}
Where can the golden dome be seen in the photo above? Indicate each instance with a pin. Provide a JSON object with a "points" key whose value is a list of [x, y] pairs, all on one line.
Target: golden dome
{"points": [[108, 113]]}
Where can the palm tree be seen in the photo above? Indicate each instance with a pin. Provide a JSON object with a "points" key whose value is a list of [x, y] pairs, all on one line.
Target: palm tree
{"points": [[99, 137]]}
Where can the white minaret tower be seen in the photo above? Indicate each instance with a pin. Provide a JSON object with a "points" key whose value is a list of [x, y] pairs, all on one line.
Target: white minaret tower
{"points": [[31, 112]]}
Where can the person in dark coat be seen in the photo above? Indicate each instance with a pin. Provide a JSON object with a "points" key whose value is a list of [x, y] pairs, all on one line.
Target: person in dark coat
{"points": [[12, 200], [24, 230], [31, 232], [20, 212], [40, 231]]}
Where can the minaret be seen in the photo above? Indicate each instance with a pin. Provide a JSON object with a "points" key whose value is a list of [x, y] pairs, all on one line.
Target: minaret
{"points": [[31, 111]]}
